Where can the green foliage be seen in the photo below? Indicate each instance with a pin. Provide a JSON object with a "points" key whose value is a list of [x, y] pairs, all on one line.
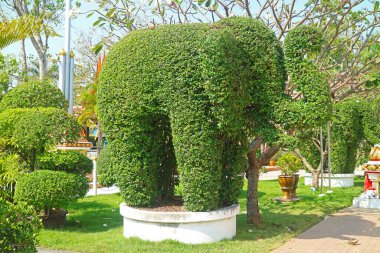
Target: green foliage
{"points": [[68, 161], [107, 173], [88, 100], [18, 29], [290, 163], [355, 123], [29, 132], [314, 109], [45, 189], [184, 99], [33, 94], [11, 168], [8, 67], [19, 226]]}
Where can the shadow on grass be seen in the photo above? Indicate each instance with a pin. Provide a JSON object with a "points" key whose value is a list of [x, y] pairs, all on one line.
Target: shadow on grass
{"points": [[243, 195], [275, 224], [91, 217]]}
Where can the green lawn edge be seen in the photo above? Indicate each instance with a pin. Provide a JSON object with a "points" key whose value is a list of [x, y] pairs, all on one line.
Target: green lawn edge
{"points": [[95, 225]]}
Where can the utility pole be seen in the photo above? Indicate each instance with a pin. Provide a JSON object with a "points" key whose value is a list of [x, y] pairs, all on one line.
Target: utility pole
{"points": [[66, 75]]}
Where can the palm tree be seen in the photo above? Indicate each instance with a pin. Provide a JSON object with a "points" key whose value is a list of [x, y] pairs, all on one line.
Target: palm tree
{"points": [[18, 29]]}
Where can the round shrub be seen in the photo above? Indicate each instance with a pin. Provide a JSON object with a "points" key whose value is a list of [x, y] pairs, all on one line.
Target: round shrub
{"points": [[19, 226], [30, 131], [185, 99], [33, 94], [45, 189], [68, 161], [290, 163]]}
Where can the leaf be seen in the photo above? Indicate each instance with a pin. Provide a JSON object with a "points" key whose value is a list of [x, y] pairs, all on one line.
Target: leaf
{"points": [[98, 47], [376, 7]]}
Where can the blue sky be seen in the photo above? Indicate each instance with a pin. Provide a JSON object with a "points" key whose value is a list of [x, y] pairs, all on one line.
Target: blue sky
{"points": [[81, 23]]}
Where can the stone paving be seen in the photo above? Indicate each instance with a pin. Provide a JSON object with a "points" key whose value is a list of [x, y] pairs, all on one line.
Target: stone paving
{"points": [[352, 230]]}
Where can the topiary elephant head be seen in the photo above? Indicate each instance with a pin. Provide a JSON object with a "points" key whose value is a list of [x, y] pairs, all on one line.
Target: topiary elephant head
{"points": [[186, 99]]}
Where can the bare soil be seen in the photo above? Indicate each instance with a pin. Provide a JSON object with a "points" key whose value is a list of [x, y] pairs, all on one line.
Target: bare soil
{"points": [[168, 205]]}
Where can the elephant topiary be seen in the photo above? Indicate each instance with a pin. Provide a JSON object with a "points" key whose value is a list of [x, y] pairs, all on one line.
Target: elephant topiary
{"points": [[186, 99]]}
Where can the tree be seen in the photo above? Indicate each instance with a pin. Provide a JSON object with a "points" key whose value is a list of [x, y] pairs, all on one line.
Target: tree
{"points": [[349, 55], [48, 11], [32, 120], [9, 73], [30, 132]]}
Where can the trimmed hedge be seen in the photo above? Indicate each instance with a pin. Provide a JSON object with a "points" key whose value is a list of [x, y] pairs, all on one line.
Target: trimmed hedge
{"points": [[184, 98], [107, 172], [19, 227], [45, 189], [67, 161], [315, 107], [355, 123], [33, 94]]}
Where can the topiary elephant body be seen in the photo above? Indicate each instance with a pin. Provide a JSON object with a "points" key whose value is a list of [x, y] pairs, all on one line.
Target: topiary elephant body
{"points": [[185, 98]]}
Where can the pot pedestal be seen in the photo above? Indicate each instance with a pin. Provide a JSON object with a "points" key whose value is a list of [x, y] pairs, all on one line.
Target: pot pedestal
{"points": [[288, 187], [282, 199]]}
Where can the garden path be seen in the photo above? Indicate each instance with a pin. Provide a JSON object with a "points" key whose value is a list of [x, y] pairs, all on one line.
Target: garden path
{"points": [[349, 230]]}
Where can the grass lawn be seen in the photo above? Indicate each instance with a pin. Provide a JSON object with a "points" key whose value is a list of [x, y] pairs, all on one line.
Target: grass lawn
{"points": [[96, 226]]}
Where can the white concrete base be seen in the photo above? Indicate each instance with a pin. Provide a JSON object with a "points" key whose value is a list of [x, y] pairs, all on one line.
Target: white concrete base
{"points": [[337, 180], [364, 202], [185, 227]]}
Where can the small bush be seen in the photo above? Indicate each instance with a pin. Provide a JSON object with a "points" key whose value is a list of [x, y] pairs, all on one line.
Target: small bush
{"points": [[68, 161], [106, 168], [33, 94], [19, 226], [290, 163], [45, 189]]}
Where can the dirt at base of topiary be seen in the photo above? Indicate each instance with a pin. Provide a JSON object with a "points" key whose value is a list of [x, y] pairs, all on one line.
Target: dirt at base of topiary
{"points": [[56, 218], [174, 204]]}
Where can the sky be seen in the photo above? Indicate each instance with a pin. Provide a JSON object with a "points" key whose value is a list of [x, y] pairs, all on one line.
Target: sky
{"points": [[80, 23], [83, 24]]}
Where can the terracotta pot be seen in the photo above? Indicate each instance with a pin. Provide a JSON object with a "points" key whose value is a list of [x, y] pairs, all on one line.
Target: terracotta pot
{"points": [[272, 163], [288, 186], [374, 155]]}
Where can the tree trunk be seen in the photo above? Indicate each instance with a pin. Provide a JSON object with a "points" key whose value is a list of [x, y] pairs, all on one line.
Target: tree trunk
{"points": [[24, 62], [42, 66], [253, 172], [315, 181]]}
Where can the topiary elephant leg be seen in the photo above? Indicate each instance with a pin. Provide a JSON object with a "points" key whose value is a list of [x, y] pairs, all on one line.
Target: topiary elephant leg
{"points": [[198, 152], [139, 150]]}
